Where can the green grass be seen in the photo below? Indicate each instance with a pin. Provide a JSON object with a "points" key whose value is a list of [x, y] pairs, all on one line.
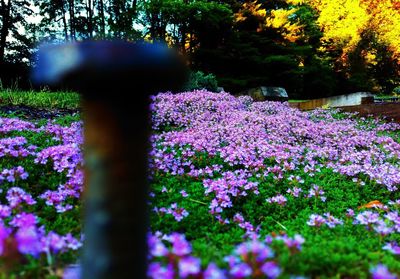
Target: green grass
{"points": [[48, 100], [297, 101]]}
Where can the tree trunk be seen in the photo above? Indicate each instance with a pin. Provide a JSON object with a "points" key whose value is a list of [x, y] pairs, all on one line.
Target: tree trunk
{"points": [[72, 19], [134, 6], [64, 20], [65, 28], [102, 19], [5, 29], [89, 9], [117, 19]]}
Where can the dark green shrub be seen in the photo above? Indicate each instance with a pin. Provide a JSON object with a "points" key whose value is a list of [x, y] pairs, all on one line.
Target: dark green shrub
{"points": [[200, 80]]}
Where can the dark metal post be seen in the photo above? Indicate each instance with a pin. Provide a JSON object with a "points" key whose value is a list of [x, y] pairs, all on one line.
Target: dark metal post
{"points": [[115, 80]]}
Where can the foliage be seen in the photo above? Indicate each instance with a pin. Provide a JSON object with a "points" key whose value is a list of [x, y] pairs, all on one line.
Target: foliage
{"points": [[200, 80], [362, 37], [14, 17]]}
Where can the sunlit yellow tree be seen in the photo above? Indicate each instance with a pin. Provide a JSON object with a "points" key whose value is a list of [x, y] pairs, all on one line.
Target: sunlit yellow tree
{"points": [[365, 34], [281, 19]]}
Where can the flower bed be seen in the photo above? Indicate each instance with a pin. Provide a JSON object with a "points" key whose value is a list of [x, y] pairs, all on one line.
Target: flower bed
{"points": [[272, 191], [239, 189]]}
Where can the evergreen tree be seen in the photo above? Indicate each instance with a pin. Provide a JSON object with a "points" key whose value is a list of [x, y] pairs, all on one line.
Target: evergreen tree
{"points": [[13, 15]]}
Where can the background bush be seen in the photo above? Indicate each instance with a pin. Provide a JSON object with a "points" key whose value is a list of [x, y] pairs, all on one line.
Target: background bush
{"points": [[200, 80]]}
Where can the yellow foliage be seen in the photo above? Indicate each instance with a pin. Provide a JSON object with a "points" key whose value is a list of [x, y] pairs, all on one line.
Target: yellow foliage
{"points": [[370, 57], [276, 19], [253, 7], [296, 2], [341, 21], [279, 19], [385, 19], [344, 21]]}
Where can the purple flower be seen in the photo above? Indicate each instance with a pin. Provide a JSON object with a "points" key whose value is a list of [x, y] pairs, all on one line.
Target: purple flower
{"points": [[256, 248], [393, 247], [238, 218], [184, 194], [381, 272], [156, 247], [54, 242], [294, 242], [367, 218], [295, 192], [382, 228], [316, 192], [296, 179], [178, 213], [213, 272], [28, 241], [72, 243], [15, 196], [350, 213], [241, 270], [11, 175], [5, 211], [271, 270], [279, 199], [331, 221], [188, 266], [316, 220], [24, 220], [157, 271], [180, 246]]}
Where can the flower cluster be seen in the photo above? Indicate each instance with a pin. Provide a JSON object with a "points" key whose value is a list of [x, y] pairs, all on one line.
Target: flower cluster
{"points": [[16, 196], [242, 223], [318, 220], [279, 199], [383, 225], [317, 192], [22, 231], [11, 175], [295, 192], [382, 272], [15, 147], [170, 257], [178, 212], [64, 157], [33, 240], [217, 124], [230, 185]]}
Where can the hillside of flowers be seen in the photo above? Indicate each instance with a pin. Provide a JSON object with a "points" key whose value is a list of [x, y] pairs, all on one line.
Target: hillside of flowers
{"points": [[239, 189]]}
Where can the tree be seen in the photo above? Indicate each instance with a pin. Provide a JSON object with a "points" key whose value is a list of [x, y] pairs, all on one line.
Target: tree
{"points": [[121, 18], [57, 18], [13, 19], [261, 49], [361, 38]]}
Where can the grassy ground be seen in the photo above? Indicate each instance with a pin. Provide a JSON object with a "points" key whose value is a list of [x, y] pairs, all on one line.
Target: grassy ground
{"points": [[297, 101], [47, 100]]}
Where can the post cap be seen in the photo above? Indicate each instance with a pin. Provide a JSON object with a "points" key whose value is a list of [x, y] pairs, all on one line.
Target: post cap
{"points": [[106, 65]]}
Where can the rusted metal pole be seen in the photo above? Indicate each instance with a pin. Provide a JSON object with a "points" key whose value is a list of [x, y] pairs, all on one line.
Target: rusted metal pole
{"points": [[115, 80]]}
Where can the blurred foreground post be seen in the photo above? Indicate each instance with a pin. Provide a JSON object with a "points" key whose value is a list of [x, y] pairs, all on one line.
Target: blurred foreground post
{"points": [[115, 80]]}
